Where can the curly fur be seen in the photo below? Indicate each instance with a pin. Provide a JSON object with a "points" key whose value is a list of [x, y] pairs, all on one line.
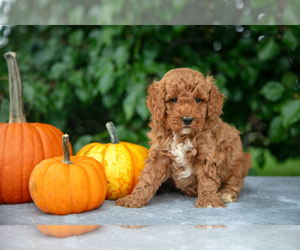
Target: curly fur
{"points": [[205, 158]]}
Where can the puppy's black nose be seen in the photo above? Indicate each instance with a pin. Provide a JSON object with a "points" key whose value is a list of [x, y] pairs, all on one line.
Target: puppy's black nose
{"points": [[187, 120]]}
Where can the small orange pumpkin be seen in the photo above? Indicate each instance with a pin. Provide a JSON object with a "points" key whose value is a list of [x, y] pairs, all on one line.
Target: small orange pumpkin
{"points": [[123, 162], [22, 144], [66, 185], [61, 231]]}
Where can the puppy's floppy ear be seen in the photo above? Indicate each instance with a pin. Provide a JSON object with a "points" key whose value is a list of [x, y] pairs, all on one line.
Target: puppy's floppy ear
{"points": [[156, 100], [215, 103]]}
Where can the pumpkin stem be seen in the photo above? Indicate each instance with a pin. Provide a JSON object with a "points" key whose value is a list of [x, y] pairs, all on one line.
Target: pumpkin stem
{"points": [[66, 149], [112, 132], [16, 108]]}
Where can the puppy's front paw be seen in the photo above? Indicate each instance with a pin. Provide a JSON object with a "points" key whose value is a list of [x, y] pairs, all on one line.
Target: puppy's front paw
{"points": [[227, 195], [130, 201], [227, 198], [209, 201]]}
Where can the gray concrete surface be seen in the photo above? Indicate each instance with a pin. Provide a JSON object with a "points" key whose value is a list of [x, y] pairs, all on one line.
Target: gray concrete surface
{"points": [[157, 237], [263, 201]]}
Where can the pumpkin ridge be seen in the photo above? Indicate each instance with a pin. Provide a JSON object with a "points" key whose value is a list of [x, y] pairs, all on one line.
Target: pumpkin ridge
{"points": [[32, 127], [44, 193], [22, 163], [100, 201], [133, 166], [142, 150], [53, 131], [84, 150], [88, 150], [38, 131], [104, 180], [91, 148], [20, 178], [71, 188], [89, 183], [34, 151], [103, 153], [2, 165]]}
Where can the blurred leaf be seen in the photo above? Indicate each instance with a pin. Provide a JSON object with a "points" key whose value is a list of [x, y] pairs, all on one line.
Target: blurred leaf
{"points": [[141, 108], [107, 77], [59, 95], [259, 3], [59, 119], [289, 17], [76, 37], [289, 79], [260, 159], [76, 78], [179, 3], [69, 56], [57, 70], [295, 130], [273, 167], [236, 95], [83, 94], [106, 82], [290, 39], [107, 35], [272, 91], [109, 100], [277, 131], [264, 28], [268, 50], [121, 55], [36, 94], [126, 134], [130, 101], [250, 74], [95, 35], [290, 112], [76, 15], [149, 56], [267, 111], [81, 142], [4, 110], [284, 64]]}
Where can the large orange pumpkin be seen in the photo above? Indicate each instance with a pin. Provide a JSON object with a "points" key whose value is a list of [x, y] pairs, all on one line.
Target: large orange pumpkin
{"points": [[123, 162], [65, 185], [22, 144], [62, 231]]}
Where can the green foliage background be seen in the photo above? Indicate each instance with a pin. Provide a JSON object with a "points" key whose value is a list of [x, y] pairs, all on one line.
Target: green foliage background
{"points": [[152, 12], [79, 77]]}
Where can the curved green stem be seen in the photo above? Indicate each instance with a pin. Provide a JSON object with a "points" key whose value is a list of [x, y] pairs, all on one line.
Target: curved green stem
{"points": [[66, 149], [112, 132], [16, 109]]}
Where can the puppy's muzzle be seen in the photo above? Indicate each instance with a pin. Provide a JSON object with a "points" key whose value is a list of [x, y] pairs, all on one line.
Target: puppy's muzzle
{"points": [[187, 120]]}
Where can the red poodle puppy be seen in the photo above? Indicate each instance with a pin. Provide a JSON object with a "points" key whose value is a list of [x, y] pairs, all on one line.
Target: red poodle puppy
{"points": [[190, 143]]}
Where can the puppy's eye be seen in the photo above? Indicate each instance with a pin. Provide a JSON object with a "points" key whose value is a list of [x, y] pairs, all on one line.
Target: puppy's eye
{"points": [[174, 100], [198, 100]]}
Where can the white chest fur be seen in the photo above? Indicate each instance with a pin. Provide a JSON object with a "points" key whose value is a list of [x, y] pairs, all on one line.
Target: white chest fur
{"points": [[179, 150]]}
